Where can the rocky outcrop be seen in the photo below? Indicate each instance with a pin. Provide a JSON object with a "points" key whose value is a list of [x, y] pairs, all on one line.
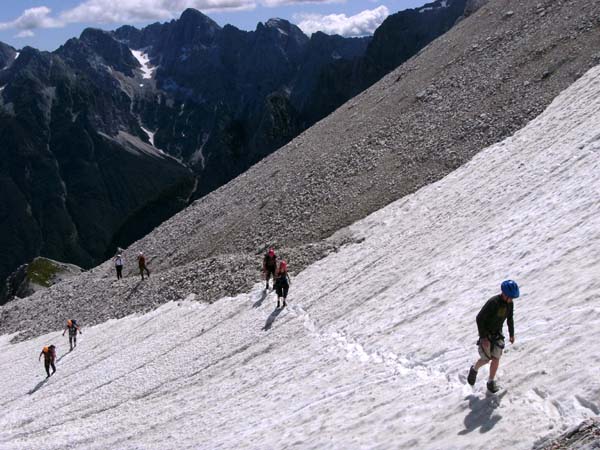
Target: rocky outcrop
{"points": [[39, 274], [473, 6], [584, 436]]}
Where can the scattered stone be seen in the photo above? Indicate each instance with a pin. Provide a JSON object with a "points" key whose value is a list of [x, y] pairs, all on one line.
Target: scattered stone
{"points": [[584, 436]]}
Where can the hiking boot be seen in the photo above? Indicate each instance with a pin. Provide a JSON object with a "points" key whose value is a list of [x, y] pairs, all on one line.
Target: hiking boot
{"points": [[492, 386], [284, 304], [278, 306], [472, 376]]}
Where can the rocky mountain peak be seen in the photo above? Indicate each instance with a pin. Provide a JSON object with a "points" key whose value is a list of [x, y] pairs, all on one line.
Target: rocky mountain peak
{"points": [[113, 52], [7, 54], [194, 22], [32, 59], [287, 29]]}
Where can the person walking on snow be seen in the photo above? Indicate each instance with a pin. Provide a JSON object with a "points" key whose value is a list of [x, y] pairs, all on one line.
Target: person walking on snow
{"points": [[282, 283], [73, 329], [119, 266], [142, 265], [490, 321], [269, 266], [49, 359]]}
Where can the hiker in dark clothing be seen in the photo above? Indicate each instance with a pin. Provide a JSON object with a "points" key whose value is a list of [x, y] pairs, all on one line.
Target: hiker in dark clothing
{"points": [[142, 265], [73, 329], [49, 358], [269, 266], [119, 266], [490, 321], [282, 283]]}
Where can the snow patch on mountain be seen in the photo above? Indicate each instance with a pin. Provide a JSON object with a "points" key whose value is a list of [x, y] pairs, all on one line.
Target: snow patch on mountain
{"points": [[135, 145], [147, 68], [198, 155], [443, 4], [150, 135]]}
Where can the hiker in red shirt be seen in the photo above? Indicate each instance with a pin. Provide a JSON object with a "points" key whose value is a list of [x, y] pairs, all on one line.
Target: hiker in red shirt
{"points": [[269, 266], [142, 265]]}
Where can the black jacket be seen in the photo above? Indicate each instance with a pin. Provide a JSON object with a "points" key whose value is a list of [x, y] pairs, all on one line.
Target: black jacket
{"points": [[270, 262], [492, 316]]}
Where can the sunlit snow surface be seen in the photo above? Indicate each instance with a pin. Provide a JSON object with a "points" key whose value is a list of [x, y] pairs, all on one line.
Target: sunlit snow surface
{"points": [[374, 350], [144, 60], [150, 135]]}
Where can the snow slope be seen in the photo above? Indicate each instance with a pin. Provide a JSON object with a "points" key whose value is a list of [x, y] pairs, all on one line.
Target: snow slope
{"points": [[144, 60], [374, 349]]}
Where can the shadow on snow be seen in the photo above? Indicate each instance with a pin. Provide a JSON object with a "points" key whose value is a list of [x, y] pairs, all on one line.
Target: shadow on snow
{"points": [[482, 413], [38, 386], [263, 295], [272, 318]]}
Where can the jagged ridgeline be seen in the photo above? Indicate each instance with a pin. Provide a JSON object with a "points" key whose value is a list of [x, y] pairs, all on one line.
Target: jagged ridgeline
{"points": [[112, 133]]}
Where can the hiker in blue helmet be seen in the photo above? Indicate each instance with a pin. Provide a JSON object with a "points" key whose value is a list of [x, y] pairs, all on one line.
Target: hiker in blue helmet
{"points": [[490, 321]]}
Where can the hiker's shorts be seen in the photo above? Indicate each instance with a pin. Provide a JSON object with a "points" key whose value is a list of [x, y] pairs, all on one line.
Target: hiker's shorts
{"points": [[495, 351], [282, 290]]}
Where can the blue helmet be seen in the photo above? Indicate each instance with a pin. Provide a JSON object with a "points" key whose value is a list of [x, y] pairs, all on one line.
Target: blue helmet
{"points": [[510, 288]]}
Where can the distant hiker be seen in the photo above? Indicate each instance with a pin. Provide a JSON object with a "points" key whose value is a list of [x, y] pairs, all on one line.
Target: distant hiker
{"points": [[49, 358], [490, 321], [73, 329], [269, 265], [142, 265], [119, 266], [282, 283]]}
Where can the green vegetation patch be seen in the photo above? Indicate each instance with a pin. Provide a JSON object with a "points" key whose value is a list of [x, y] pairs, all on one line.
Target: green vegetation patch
{"points": [[41, 271]]}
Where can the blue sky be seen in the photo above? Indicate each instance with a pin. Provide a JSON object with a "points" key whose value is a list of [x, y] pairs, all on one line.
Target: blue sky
{"points": [[46, 24]]}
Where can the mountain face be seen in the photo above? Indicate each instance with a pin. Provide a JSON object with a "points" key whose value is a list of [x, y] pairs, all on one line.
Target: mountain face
{"points": [[398, 38], [7, 55], [233, 96], [114, 132], [72, 179]]}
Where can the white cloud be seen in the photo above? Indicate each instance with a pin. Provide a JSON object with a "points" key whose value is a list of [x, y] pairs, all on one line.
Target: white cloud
{"points": [[273, 3], [134, 11], [361, 24], [131, 11], [25, 34], [31, 19], [122, 11]]}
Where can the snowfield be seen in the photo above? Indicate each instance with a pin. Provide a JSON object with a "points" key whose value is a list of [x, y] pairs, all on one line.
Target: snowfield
{"points": [[374, 349], [144, 60]]}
